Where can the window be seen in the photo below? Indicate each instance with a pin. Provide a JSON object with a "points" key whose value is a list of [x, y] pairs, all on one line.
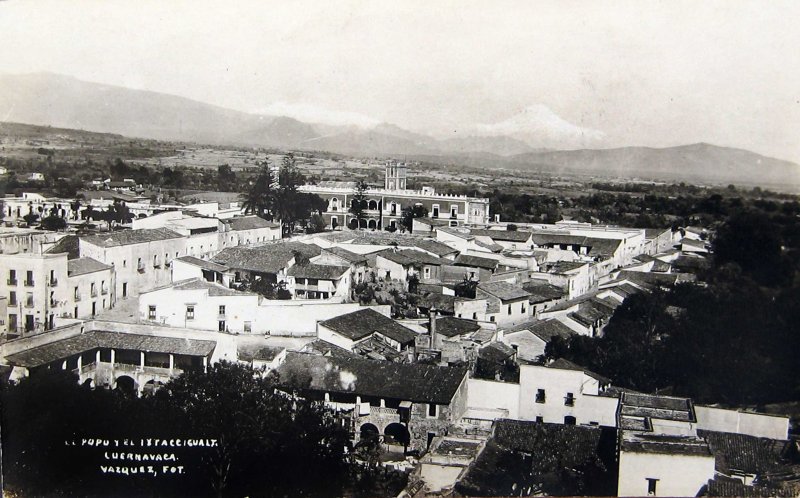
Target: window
{"points": [[53, 279], [433, 410], [509, 309], [539, 420], [221, 326], [491, 318], [569, 420], [427, 272], [156, 264], [300, 281], [651, 486], [124, 263], [540, 396], [151, 312], [474, 316], [29, 278], [190, 312], [313, 281], [29, 300], [569, 400], [248, 327], [92, 290], [388, 275], [12, 277], [12, 298], [140, 265], [435, 211], [522, 308], [222, 310]]}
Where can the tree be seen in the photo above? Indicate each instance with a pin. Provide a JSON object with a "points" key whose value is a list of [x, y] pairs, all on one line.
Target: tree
{"points": [[30, 218], [259, 199], [226, 178], [358, 203], [53, 223], [408, 215], [466, 288], [316, 224]]}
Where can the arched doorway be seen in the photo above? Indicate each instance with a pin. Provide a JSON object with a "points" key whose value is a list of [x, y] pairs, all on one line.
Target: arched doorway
{"points": [[396, 434], [372, 224], [362, 223], [152, 386], [126, 384], [373, 205], [368, 432], [569, 420], [353, 224], [334, 222]]}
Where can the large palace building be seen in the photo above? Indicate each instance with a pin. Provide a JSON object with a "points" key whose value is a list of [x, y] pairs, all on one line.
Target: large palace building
{"points": [[383, 206]]}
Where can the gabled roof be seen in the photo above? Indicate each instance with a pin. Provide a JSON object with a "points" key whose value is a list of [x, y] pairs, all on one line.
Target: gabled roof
{"points": [[64, 348], [320, 272], [346, 255], [541, 291], [202, 263], [68, 244], [492, 246], [363, 323], [547, 329], [412, 257], [238, 223], [743, 453], [504, 235], [270, 258], [476, 262], [382, 379], [82, 266], [214, 290], [503, 291], [434, 247], [564, 364], [450, 326], [129, 237], [495, 352]]}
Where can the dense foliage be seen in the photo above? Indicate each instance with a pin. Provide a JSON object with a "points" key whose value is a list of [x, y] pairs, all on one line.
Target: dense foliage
{"points": [[733, 338], [268, 444]]}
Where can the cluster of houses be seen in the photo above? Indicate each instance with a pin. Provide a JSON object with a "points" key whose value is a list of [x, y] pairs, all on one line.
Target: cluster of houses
{"points": [[457, 381]]}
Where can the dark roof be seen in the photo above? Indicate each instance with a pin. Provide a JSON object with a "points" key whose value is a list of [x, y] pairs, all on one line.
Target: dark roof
{"points": [[82, 266], [346, 255], [504, 235], [68, 244], [547, 329], [596, 247], [564, 364], [542, 292], [202, 263], [434, 247], [656, 406], [270, 258], [476, 262], [412, 257], [503, 290], [64, 348], [320, 272], [128, 237], [265, 353], [325, 348], [363, 323], [441, 302], [743, 453], [450, 326], [249, 223], [543, 457], [495, 352], [638, 442], [411, 382]]}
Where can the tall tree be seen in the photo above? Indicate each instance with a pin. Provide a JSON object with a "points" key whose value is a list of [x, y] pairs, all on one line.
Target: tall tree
{"points": [[408, 215], [259, 199], [358, 204]]}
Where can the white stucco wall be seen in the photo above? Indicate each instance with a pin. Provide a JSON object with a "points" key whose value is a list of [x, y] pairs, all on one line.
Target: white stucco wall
{"points": [[678, 475], [487, 394], [752, 424]]}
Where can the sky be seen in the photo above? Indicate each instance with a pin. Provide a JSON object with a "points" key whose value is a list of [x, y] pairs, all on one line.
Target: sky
{"points": [[570, 73]]}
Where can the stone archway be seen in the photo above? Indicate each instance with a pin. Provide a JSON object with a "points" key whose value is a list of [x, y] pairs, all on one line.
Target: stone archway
{"points": [[397, 434], [368, 431], [372, 224], [125, 384], [362, 223], [152, 386]]}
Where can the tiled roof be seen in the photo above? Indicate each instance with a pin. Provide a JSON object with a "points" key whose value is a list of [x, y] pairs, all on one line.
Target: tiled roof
{"points": [[638, 442], [564, 364], [411, 257], [202, 263], [496, 352], [265, 353], [214, 290], [434, 247], [270, 258], [505, 466], [64, 348], [338, 374], [249, 223], [476, 262], [503, 291], [320, 272], [743, 453], [450, 326], [542, 291], [655, 406], [494, 247], [547, 329], [82, 266], [504, 235], [346, 255], [68, 244], [325, 348], [597, 247], [362, 323], [441, 302], [129, 237]]}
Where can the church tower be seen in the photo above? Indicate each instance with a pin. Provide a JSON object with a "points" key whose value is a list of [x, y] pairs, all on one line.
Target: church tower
{"points": [[396, 174]]}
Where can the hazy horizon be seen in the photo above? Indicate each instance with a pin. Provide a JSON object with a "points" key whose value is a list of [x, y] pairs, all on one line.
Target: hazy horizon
{"points": [[555, 74]]}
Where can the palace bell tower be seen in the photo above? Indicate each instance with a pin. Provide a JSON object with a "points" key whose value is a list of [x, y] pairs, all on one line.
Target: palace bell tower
{"points": [[396, 174]]}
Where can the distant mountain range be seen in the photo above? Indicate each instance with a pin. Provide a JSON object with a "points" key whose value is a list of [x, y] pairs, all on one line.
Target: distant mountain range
{"points": [[62, 101]]}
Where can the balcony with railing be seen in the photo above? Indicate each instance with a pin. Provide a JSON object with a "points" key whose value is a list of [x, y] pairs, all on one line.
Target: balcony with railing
{"points": [[93, 292], [29, 283], [29, 302], [12, 281], [140, 268], [53, 282]]}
